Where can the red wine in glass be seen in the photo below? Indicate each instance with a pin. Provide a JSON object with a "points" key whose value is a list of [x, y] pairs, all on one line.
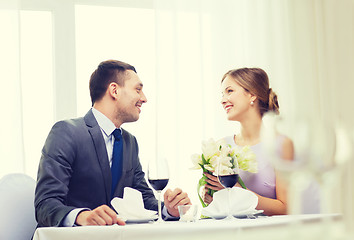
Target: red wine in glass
{"points": [[158, 176], [228, 175], [228, 181], [158, 184]]}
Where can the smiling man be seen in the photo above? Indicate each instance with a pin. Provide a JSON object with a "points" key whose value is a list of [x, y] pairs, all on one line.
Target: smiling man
{"points": [[88, 161]]}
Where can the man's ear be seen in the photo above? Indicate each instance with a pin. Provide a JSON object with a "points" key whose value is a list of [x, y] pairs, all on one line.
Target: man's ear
{"points": [[113, 90]]}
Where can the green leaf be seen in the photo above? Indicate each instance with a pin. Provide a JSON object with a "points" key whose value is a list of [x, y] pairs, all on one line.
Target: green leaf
{"points": [[200, 198], [202, 181], [203, 158], [202, 202], [211, 192]]}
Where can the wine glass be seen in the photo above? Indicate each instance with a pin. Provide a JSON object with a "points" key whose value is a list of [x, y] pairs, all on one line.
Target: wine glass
{"points": [[158, 176], [290, 168], [228, 174], [309, 172]]}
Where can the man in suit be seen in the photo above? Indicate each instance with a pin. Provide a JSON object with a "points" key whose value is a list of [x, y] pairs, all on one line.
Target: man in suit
{"points": [[74, 185]]}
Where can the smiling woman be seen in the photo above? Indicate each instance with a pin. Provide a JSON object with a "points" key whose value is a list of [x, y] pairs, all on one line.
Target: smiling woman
{"points": [[246, 97]]}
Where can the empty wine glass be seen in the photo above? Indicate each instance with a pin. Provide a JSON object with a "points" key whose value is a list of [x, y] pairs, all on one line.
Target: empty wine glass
{"points": [[228, 174], [158, 176], [290, 165], [322, 160], [314, 147]]}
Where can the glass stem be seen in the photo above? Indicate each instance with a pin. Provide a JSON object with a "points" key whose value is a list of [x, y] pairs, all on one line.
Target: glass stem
{"points": [[228, 193], [159, 204]]}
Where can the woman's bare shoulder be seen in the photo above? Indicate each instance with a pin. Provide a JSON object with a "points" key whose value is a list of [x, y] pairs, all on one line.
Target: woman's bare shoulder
{"points": [[287, 148]]}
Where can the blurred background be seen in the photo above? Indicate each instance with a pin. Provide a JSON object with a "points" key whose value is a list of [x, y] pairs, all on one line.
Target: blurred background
{"points": [[181, 49]]}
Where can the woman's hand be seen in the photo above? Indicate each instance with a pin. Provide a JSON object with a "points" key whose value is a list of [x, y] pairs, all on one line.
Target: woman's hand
{"points": [[206, 197], [213, 182]]}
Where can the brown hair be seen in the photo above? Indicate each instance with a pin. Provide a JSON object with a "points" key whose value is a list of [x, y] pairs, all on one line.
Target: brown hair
{"points": [[256, 82], [107, 72]]}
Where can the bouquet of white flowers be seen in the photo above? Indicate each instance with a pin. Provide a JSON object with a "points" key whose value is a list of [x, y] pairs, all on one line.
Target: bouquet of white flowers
{"points": [[215, 151]]}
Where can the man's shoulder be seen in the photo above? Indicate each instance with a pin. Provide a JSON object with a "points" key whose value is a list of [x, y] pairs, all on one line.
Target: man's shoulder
{"points": [[88, 120], [70, 123], [75, 127]]}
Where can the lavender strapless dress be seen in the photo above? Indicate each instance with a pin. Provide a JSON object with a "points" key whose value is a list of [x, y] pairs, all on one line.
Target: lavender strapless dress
{"points": [[262, 182]]}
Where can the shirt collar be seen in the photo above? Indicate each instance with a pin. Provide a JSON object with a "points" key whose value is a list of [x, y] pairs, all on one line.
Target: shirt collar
{"points": [[104, 122]]}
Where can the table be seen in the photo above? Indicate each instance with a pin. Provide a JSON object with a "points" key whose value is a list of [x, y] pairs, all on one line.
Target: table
{"points": [[277, 227]]}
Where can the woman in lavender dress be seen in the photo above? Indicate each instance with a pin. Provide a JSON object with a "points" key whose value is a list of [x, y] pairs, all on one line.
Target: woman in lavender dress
{"points": [[246, 97]]}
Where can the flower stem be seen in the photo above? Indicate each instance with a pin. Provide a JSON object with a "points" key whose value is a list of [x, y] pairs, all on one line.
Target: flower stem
{"points": [[241, 183]]}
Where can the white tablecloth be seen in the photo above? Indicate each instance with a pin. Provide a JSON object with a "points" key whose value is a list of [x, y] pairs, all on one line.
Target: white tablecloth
{"points": [[278, 227]]}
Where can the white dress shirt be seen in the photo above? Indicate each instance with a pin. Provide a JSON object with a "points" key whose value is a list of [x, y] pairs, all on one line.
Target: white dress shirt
{"points": [[107, 128]]}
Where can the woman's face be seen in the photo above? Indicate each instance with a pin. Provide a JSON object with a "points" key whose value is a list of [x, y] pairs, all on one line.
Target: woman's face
{"points": [[235, 100]]}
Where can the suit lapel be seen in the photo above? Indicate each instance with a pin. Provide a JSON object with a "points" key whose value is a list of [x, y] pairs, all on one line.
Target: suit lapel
{"points": [[127, 165], [101, 151]]}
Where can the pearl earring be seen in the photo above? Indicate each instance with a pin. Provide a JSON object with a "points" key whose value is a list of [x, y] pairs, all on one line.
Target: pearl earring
{"points": [[252, 103]]}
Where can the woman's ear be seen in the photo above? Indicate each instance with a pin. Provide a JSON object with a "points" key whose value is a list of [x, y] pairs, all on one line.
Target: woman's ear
{"points": [[253, 98]]}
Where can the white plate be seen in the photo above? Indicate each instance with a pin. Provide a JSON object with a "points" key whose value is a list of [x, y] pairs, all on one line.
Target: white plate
{"points": [[140, 220], [250, 214]]}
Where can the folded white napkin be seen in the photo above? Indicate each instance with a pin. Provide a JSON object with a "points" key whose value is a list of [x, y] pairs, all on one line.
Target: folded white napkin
{"points": [[131, 206], [242, 201]]}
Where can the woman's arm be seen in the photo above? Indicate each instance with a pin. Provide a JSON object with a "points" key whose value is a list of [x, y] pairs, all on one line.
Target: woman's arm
{"points": [[270, 206], [278, 206]]}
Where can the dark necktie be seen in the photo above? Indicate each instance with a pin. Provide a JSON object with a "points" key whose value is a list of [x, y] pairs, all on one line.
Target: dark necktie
{"points": [[117, 159]]}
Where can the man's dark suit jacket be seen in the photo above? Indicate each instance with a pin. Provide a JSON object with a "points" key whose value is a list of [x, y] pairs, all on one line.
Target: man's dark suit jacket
{"points": [[74, 171]]}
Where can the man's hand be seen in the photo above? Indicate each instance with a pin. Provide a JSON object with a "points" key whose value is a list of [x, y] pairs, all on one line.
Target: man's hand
{"points": [[173, 199], [102, 215]]}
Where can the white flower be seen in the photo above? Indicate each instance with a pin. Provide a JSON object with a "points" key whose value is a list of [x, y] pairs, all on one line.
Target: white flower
{"points": [[225, 150], [213, 162], [209, 148], [219, 158], [225, 166], [219, 151], [209, 168], [225, 161], [196, 160], [224, 170], [221, 142], [246, 159]]}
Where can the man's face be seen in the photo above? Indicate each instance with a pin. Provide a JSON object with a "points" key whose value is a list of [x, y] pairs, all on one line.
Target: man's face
{"points": [[130, 98]]}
